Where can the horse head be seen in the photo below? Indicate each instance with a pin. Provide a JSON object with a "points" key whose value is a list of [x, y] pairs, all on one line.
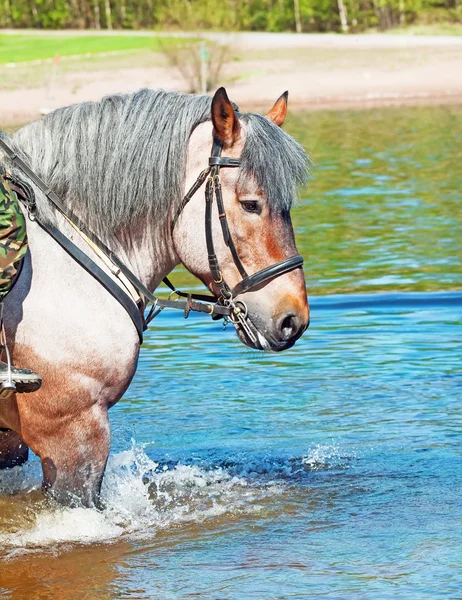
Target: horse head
{"points": [[249, 226]]}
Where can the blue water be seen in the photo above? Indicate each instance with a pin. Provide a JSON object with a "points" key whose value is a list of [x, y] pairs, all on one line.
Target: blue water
{"points": [[352, 439], [331, 470]]}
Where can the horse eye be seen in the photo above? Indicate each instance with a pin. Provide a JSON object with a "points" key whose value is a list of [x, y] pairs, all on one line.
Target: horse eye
{"points": [[251, 207]]}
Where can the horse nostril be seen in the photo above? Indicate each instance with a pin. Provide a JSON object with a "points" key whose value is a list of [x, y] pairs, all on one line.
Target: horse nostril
{"points": [[289, 327]]}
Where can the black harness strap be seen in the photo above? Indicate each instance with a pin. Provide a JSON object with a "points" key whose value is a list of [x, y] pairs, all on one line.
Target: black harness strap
{"points": [[212, 257], [57, 202], [216, 161], [180, 294], [93, 269], [197, 184]]}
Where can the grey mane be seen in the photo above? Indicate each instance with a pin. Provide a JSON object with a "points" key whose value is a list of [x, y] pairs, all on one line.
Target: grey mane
{"points": [[124, 158]]}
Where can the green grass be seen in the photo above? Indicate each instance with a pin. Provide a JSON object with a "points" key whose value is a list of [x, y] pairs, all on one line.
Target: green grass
{"points": [[24, 48], [29, 47], [27, 75]]}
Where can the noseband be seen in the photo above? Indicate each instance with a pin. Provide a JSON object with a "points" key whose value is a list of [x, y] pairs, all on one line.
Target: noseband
{"points": [[248, 282]]}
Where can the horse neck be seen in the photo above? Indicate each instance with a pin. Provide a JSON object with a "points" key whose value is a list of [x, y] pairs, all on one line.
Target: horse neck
{"points": [[147, 250]]}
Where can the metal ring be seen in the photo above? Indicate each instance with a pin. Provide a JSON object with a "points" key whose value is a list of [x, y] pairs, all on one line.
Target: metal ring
{"points": [[244, 305], [243, 310]]}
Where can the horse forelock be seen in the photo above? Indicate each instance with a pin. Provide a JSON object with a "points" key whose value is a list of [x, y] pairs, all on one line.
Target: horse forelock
{"points": [[275, 160], [124, 158]]}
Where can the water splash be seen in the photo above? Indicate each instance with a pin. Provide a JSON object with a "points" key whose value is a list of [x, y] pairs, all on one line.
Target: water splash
{"points": [[139, 497], [327, 457]]}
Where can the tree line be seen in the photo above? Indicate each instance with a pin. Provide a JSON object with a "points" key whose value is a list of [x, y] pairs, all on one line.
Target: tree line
{"points": [[235, 15]]}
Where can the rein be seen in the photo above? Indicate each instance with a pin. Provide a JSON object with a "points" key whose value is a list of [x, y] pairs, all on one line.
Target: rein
{"points": [[223, 307]]}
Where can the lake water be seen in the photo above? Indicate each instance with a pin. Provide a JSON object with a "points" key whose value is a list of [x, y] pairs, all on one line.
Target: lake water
{"points": [[331, 470]]}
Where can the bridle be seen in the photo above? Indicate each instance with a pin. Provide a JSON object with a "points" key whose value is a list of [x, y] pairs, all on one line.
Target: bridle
{"points": [[224, 307], [238, 309]]}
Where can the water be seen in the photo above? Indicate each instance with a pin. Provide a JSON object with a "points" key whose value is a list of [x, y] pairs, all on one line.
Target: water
{"points": [[383, 210], [331, 470]]}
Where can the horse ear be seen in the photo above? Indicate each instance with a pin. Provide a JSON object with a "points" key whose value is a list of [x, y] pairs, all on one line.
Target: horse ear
{"points": [[279, 111], [224, 119]]}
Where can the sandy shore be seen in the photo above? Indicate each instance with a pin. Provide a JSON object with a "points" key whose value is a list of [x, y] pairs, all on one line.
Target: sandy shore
{"points": [[320, 71]]}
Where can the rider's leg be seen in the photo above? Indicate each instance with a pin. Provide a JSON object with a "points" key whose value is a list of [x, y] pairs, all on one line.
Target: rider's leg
{"points": [[13, 246]]}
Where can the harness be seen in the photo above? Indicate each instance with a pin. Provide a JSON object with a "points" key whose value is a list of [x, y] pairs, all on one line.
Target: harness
{"points": [[223, 307]]}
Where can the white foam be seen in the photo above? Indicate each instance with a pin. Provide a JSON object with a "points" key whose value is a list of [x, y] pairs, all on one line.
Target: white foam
{"points": [[139, 498], [66, 525]]}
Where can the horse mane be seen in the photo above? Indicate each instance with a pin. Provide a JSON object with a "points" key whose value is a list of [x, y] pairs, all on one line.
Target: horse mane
{"points": [[124, 157]]}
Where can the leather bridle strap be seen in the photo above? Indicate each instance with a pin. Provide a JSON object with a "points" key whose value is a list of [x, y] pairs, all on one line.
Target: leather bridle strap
{"points": [[216, 164], [265, 275], [249, 282], [213, 189], [212, 257], [187, 197]]}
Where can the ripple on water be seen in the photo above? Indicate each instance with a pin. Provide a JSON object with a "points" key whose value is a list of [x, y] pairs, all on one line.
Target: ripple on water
{"points": [[349, 457], [142, 497]]}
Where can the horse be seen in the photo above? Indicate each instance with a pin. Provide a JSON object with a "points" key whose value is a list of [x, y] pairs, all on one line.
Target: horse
{"points": [[122, 164]]}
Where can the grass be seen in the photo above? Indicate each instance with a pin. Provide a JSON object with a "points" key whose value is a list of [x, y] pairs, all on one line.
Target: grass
{"points": [[27, 75], [20, 47], [25, 48]]}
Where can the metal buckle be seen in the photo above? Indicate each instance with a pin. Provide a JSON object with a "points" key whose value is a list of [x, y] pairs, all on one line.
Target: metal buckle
{"points": [[224, 161]]}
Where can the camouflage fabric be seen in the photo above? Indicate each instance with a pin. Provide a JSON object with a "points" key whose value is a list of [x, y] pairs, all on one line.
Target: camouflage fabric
{"points": [[13, 237]]}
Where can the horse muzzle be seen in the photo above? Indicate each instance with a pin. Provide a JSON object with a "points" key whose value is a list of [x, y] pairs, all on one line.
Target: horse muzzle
{"points": [[274, 336]]}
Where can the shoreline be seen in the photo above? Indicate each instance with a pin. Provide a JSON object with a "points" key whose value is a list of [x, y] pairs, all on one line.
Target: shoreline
{"points": [[10, 122], [321, 72], [364, 103]]}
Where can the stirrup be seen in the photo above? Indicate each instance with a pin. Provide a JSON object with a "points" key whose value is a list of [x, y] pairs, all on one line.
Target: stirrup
{"points": [[8, 387]]}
